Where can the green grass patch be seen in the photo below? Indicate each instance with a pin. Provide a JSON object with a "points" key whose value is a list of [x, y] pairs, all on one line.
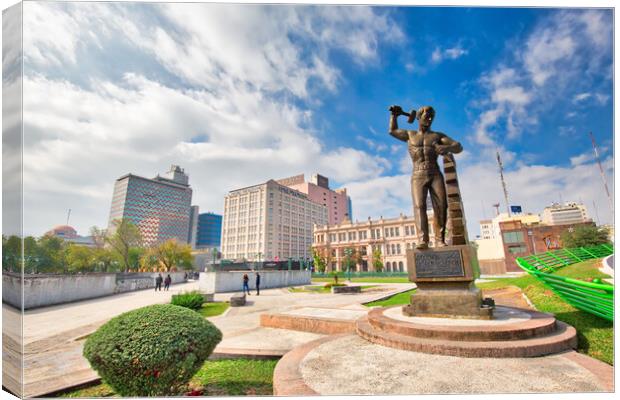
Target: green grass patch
{"points": [[215, 378], [213, 309], [235, 378], [595, 335], [397, 299], [369, 279]]}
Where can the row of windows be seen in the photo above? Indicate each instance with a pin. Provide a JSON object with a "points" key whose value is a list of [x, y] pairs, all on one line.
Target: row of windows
{"points": [[363, 235]]}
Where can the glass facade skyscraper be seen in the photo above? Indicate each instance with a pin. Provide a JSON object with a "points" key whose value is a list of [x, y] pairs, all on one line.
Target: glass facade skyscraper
{"points": [[159, 207], [209, 231]]}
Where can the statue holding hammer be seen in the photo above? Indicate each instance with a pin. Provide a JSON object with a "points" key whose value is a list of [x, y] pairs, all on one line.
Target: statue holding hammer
{"points": [[425, 146]]}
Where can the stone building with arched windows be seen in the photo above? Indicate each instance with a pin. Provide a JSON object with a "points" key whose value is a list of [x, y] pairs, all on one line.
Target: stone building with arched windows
{"points": [[391, 236]]}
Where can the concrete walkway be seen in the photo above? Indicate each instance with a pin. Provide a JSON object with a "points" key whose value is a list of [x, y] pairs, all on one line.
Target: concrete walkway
{"points": [[54, 336]]}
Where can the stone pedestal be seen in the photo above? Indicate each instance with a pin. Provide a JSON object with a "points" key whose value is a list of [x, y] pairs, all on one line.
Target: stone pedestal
{"points": [[445, 280]]}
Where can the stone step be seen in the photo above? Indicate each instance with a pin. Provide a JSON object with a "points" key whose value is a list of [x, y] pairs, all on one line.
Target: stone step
{"points": [[539, 324], [563, 339]]}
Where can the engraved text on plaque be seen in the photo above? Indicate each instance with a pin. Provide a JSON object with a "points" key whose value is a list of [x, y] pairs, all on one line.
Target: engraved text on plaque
{"points": [[436, 264]]}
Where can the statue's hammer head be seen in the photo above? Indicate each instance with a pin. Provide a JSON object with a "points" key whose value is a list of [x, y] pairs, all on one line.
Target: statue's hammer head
{"points": [[411, 116]]}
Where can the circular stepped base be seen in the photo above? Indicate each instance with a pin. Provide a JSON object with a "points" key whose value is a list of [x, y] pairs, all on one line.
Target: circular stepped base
{"points": [[349, 365], [514, 333]]}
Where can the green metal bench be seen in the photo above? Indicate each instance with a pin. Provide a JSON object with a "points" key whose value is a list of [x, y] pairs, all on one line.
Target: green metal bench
{"points": [[592, 297]]}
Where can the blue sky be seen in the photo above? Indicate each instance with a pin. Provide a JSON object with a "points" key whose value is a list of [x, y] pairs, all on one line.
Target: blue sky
{"points": [[237, 95]]}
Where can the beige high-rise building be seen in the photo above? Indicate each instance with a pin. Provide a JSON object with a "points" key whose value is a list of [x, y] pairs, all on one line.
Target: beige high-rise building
{"points": [[269, 222], [392, 237], [564, 214]]}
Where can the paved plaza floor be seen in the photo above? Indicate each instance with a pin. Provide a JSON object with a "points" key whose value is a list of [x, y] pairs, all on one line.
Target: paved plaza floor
{"points": [[54, 336]]}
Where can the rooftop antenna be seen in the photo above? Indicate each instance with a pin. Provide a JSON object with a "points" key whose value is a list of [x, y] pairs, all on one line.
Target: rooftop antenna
{"points": [[501, 175], [68, 215], [600, 166], [496, 205]]}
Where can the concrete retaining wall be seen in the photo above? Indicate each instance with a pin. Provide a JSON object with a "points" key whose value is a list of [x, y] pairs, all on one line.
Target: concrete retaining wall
{"points": [[232, 281], [47, 290]]}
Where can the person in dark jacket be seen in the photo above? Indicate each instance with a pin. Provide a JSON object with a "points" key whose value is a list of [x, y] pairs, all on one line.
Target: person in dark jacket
{"points": [[257, 284], [167, 282], [246, 287], [158, 282]]}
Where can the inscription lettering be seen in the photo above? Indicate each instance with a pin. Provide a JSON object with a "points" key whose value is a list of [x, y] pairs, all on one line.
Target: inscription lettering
{"points": [[438, 264]]}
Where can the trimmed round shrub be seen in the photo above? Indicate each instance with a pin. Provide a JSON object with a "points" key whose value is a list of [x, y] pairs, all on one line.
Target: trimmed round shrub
{"points": [[151, 351], [193, 300]]}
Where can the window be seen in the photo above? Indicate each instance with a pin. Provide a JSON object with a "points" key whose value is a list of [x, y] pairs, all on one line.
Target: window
{"points": [[513, 237], [397, 232], [517, 249], [398, 249], [400, 266]]}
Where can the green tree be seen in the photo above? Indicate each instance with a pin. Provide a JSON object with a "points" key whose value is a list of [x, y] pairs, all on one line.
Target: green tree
{"points": [[135, 257], [106, 260], [11, 253], [170, 254], [31, 255], [80, 258], [126, 235], [319, 260], [376, 260], [584, 236], [52, 253]]}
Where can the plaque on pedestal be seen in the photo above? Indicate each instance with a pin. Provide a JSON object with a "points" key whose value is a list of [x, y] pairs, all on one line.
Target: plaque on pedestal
{"points": [[445, 280]]}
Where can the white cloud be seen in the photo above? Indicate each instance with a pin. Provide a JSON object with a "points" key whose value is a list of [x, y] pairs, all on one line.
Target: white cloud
{"points": [[602, 98], [581, 97], [451, 53], [582, 158], [386, 196], [561, 50], [241, 85], [371, 144]]}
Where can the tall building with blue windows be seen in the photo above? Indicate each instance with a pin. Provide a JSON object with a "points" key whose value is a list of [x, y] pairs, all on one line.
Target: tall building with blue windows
{"points": [[159, 207], [209, 231]]}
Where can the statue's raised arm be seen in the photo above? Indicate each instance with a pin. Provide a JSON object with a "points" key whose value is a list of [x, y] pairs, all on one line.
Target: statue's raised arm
{"points": [[400, 134]]}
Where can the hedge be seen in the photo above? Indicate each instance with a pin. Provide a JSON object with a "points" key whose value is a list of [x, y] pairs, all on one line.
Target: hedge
{"points": [[193, 300], [151, 351]]}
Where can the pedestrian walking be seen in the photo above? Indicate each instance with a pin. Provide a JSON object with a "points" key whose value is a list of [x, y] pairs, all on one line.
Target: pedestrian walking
{"points": [[167, 282], [158, 282], [257, 284], [246, 287]]}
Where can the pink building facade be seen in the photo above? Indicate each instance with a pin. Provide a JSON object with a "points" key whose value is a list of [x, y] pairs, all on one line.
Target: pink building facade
{"points": [[318, 191]]}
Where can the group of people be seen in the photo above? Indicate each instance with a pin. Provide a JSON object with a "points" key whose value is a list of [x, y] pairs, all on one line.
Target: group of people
{"points": [[166, 281], [246, 286]]}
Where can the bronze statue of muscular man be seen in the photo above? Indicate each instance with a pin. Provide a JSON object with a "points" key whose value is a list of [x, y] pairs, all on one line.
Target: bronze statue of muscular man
{"points": [[425, 146]]}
